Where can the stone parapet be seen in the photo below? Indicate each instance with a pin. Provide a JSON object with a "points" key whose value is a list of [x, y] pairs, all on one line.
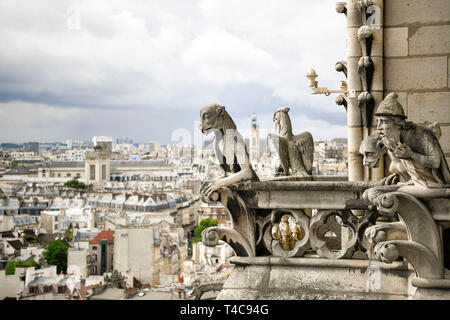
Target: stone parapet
{"points": [[315, 278]]}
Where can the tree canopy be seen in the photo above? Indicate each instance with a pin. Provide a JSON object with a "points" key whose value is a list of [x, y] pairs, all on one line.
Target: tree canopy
{"points": [[74, 183], [205, 223], [56, 255]]}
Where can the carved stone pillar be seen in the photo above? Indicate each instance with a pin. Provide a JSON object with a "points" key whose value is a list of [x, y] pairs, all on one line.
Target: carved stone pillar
{"points": [[365, 78], [354, 123]]}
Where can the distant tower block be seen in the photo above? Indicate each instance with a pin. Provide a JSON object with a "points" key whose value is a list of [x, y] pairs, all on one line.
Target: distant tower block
{"points": [[254, 141], [104, 142], [97, 163]]}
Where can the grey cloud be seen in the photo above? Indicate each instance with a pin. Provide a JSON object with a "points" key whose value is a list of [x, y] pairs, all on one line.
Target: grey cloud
{"points": [[146, 68]]}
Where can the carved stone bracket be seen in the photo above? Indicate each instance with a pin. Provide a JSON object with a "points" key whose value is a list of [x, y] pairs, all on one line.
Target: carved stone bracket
{"points": [[422, 247], [242, 237], [341, 66], [341, 100], [341, 7], [288, 235], [241, 246]]}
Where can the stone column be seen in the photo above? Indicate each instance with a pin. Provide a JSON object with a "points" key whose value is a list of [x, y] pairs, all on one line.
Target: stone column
{"points": [[354, 124], [365, 78], [377, 89]]}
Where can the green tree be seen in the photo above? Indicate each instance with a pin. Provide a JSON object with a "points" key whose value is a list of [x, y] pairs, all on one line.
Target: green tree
{"points": [[205, 223], [14, 164], [74, 183], [69, 234], [56, 255], [11, 268]]}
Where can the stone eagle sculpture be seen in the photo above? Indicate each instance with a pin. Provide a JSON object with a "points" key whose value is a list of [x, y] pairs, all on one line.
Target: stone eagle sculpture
{"points": [[295, 152]]}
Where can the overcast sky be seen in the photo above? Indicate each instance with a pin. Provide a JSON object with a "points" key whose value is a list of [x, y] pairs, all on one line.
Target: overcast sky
{"points": [[144, 69]]}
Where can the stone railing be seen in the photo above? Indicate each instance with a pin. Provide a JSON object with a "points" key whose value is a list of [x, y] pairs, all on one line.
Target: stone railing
{"points": [[335, 220]]}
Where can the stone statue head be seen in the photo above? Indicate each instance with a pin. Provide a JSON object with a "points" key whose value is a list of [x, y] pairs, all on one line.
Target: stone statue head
{"points": [[390, 120], [372, 149], [214, 117], [282, 121]]}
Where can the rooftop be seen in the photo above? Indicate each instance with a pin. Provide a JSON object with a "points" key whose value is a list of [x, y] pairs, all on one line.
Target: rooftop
{"points": [[105, 234]]}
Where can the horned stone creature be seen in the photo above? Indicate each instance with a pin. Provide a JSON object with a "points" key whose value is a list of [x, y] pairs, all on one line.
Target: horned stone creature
{"points": [[229, 148], [295, 152]]}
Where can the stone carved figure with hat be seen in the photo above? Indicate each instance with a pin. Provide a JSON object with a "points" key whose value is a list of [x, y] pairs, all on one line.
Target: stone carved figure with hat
{"points": [[415, 149]]}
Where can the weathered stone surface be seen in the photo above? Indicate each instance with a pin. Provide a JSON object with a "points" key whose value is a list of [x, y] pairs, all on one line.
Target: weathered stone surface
{"points": [[311, 295], [430, 40], [395, 42], [377, 81], [233, 294], [353, 77], [307, 278], [353, 45], [430, 106], [431, 294], [248, 277], [445, 139], [402, 98], [418, 11], [415, 73]]}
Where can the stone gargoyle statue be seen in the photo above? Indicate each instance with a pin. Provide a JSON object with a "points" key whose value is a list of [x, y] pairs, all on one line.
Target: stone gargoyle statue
{"points": [[295, 152], [233, 157], [229, 148], [203, 283]]}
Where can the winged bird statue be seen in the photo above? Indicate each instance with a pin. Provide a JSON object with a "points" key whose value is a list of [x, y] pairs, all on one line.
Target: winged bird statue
{"points": [[295, 152]]}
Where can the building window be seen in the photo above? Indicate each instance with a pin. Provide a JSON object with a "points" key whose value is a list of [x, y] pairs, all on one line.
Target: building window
{"points": [[59, 174], [103, 171], [68, 175], [78, 175], [61, 290], [47, 289], [94, 270], [92, 172], [32, 290], [94, 247]]}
